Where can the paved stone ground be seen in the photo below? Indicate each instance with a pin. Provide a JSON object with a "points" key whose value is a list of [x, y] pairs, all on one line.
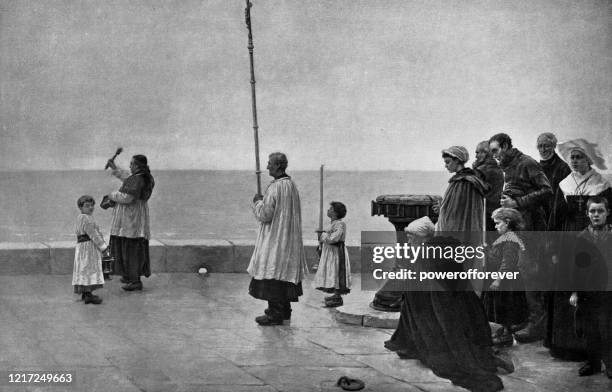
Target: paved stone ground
{"points": [[186, 332]]}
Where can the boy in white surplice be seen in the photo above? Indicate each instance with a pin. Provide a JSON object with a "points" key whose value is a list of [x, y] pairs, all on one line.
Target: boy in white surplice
{"points": [[87, 272], [334, 272]]}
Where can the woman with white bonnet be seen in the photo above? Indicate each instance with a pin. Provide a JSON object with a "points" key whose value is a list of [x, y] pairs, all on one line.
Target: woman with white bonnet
{"points": [[582, 182], [571, 214], [461, 208]]}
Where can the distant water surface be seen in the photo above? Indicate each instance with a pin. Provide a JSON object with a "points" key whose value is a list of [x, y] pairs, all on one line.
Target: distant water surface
{"points": [[41, 205]]}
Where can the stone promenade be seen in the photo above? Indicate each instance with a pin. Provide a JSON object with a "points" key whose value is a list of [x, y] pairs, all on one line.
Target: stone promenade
{"points": [[187, 332]]}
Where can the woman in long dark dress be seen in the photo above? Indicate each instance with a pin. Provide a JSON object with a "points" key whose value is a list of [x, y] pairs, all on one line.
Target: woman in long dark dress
{"points": [[571, 213], [449, 329], [418, 232], [130, 233], [443, 323]]}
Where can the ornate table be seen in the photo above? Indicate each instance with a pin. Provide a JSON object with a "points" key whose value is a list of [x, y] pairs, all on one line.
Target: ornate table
{"points": [[400, 210]]}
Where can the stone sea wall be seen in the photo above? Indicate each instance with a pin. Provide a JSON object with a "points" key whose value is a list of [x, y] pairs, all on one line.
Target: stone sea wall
{"points": [[57, 257]]}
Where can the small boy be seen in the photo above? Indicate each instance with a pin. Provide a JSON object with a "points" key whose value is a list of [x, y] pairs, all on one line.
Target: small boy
{"points": [[593, 258], [87, 273]]}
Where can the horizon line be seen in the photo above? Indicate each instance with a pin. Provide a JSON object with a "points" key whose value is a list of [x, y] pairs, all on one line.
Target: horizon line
{"points": [[228, 170]]}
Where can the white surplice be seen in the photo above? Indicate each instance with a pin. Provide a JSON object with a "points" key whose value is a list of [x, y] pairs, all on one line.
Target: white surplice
{"points": [[87, 269], [279, 252], [328, 276]]}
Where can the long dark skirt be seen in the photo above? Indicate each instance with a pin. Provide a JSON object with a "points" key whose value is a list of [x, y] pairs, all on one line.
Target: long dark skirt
{"points": [[597, 325], [561, 336], [131, 257], [402, 337], [386, 299], [452, 337], [275, 290], [505, 307]]}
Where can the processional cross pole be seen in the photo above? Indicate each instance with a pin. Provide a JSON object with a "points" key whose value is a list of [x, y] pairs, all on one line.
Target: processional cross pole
{"points": [[247, 16], [321, 200]]}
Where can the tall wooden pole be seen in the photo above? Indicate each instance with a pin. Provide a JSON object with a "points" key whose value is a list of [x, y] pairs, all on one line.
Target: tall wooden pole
{"points": [[247, 15], [321, 202], [319, 231], [484, 221]]}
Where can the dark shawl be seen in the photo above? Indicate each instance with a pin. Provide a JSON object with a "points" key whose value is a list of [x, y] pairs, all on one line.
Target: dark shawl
{"points": [[592, 260], [526, 183], [556, 170], [493, 175], [461, 207], [140, 184]]}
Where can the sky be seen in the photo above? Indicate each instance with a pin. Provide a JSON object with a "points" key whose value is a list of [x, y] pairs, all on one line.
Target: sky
{"points": [[353, 84]]}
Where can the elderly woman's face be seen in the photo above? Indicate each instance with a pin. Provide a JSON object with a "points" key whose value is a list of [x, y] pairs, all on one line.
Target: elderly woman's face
{"points": [[579, 162], [452, 165]]}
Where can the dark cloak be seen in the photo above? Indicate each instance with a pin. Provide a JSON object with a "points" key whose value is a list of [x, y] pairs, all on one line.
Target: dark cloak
{"points": [[462, 206], [446, 328]]}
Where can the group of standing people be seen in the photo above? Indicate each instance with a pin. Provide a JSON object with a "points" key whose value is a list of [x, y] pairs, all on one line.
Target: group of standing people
{"points": [[562, 296], [129, 233], [448, 329]]}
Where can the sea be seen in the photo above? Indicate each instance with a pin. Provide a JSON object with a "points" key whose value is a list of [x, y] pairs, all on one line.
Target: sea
{"points": [[39, 206]]}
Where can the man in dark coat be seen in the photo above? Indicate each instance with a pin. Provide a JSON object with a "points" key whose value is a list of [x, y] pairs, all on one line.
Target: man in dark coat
{"points": [[490, 172], [527, 189], [555, 169]]}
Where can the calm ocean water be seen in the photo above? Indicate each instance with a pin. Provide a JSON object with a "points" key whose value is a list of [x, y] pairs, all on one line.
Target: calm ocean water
{"points": [[41, 205]]}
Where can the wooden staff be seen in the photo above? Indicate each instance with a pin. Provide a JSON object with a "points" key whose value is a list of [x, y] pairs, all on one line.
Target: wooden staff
{"points": [[321, 200], [247, 16], [484, 221], [319, 231]]}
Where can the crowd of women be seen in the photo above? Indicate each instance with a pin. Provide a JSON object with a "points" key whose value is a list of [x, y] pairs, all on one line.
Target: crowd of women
{"points": [[552, 223]]}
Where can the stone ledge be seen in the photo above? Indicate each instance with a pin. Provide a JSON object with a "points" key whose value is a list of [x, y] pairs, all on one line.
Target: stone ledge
{"points": [[61, 256], [20, 258], [22, 246], [191, 255], [57, 257]]}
